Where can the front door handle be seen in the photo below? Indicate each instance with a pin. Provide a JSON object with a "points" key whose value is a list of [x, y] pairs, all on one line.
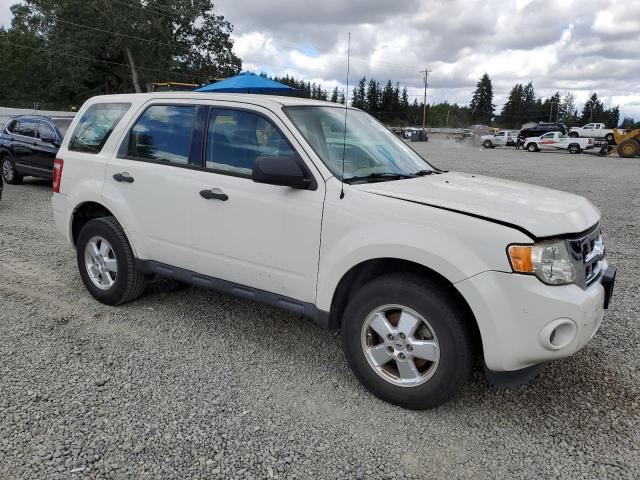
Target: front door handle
{"points": [[214, 195], [123, 177]]}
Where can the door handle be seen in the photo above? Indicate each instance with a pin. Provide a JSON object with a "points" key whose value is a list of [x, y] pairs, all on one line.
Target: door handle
{"points": [[212, 195], [123, 177]]}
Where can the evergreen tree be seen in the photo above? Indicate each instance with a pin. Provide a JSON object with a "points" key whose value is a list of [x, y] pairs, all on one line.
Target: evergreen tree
{"points": [[334, 95], [593, 110], [482, 106], [387, 102], [358, 100], [373, 98]]}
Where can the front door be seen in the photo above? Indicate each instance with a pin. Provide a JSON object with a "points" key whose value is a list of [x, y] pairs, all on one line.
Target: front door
{"points": [[45, 148], [262, 236]]}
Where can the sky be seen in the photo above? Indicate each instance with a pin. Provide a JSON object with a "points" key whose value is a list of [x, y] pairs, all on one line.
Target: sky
{"points": [[579, 46]]}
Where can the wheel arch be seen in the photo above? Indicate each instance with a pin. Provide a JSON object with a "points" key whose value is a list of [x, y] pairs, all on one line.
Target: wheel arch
{"points": [[88, 210], [368, 270]]}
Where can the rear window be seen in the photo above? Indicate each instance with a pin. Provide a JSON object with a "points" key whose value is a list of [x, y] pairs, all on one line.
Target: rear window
{"points": [[95, 126], [163, 134], [62, 124]]}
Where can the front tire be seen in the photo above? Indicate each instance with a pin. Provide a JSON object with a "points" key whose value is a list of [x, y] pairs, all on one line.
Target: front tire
{"points": [[408, 341], [532, 147], [107, 264], [574, 135], [487, 144], [629, 148], [9, 172]]}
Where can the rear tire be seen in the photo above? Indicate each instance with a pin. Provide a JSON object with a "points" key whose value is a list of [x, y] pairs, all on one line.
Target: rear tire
{"points": [[574, 135], [609, 138], [574, 148], [107, 264], [9, 172], [628, 148], [403, 375]]}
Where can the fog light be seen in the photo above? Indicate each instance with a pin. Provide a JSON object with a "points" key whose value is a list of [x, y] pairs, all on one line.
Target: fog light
{"points": [[558, 334]]}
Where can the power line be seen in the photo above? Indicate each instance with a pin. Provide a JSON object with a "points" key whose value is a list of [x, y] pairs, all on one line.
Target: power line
{"points": [[144, 9], [80, 57], [117, 33]]}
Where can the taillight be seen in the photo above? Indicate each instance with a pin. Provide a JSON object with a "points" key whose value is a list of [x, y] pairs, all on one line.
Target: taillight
{"points": [[58, 163]]}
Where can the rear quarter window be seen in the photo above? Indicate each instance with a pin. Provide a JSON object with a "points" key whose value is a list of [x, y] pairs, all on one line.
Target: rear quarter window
{"points": [[95, 126]]}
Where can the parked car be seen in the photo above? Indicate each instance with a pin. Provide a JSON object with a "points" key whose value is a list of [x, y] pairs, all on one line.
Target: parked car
{"points": [[502, 138], [593, 130], [28, 146], [541, 129], [557, 141], [263, 197], [1, 186]]}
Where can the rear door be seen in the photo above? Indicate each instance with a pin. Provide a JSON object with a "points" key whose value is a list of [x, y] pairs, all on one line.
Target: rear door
{"points": [[263, 236], [45, 147], [151, 180]]}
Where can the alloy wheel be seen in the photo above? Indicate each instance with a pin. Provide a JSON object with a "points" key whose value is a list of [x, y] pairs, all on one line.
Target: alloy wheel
{"points": [[7, 169], [400, 345], [100, 262]]}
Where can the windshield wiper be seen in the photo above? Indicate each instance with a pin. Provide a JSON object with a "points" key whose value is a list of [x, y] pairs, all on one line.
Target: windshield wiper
{"points": [[378, 177], [422, 173]]}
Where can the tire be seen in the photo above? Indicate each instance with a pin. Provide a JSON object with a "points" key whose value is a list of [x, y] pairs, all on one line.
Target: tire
{"points": [[487, 144], [532, 147], [574, 148], [574, 135], [609, 138], [9, 172], [628, 148], [437, 313], [112, 250]]}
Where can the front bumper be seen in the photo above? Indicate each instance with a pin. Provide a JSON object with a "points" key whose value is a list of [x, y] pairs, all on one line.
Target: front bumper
{"points": [[524, 322]]}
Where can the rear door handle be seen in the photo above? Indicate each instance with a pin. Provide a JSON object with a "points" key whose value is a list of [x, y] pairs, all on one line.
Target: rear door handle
{"points": [[123, 177], [214, 194]]}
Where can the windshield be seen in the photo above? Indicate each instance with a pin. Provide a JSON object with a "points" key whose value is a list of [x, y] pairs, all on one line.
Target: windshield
{"points": [[370, 151]]}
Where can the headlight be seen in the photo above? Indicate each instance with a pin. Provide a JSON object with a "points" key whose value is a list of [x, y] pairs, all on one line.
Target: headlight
{"points": [[549, 261]]}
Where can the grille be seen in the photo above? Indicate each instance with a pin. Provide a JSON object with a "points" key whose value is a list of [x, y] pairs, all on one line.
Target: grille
{"points": [[588, 253]]}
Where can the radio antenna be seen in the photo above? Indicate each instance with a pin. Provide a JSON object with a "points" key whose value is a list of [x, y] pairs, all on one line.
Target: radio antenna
{"points": [[346, 110]]}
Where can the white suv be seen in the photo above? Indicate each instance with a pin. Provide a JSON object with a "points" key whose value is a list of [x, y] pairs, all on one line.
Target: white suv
{"points": [[421, 270]]}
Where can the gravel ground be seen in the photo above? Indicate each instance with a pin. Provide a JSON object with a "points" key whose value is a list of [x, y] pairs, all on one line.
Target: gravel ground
{"points": [[188, 383]]}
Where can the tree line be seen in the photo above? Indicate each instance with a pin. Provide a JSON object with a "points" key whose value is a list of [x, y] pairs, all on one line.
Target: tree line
{"points": [[61, 53]]}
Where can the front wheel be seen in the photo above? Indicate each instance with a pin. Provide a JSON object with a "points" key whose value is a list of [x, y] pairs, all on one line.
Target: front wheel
{"points": [[574, 135], [487, 144], [532, 147], [9, 172], [107, 264], [408, 341]]}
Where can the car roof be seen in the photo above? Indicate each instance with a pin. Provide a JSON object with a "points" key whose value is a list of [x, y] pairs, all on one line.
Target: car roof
{"points": [[250, 98]]}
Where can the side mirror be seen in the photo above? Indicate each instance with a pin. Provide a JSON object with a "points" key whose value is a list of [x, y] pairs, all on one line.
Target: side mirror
{"points": [[285, 171]]}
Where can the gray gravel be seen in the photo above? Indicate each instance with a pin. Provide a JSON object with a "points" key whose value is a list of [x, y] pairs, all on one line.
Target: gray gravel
{"points": [[188, 383]]}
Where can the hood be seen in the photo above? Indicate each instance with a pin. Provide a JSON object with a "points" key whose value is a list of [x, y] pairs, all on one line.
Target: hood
{"points": [[540, 211]]}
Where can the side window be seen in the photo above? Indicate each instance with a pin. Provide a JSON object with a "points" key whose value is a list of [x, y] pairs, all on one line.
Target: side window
{"points": [[588, 127], [547, 135], [11, 126], [95, 126], [500, 134], [236, 138], [45, 132], [26, 128], [163, 134]]}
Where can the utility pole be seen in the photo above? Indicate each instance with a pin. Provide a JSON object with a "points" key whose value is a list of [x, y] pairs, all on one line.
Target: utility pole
{"points": [[426, 72], [550, 110]]}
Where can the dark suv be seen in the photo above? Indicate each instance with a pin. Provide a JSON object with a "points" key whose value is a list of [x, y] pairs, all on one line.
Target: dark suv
{"points": [[28, 146], [542, 128]]}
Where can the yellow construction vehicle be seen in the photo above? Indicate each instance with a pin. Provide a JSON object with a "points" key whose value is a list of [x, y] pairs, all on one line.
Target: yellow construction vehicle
{"points": [[627, 144]]}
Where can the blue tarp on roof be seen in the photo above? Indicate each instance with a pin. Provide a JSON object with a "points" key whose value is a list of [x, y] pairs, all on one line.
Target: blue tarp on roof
{"points": [[247, 82]]}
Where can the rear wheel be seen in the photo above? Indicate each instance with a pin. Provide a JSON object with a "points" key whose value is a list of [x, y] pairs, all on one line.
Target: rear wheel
{"points": [[532, 147], [107, 264], [408, 341], [629, 148], [574, 148], [487, 144], [609, 138], [574, 135], [9, 172]]}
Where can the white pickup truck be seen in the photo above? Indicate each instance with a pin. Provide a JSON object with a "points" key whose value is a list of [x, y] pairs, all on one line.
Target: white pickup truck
{"points": [[592, 130], [502, 138], [556, 140]]}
